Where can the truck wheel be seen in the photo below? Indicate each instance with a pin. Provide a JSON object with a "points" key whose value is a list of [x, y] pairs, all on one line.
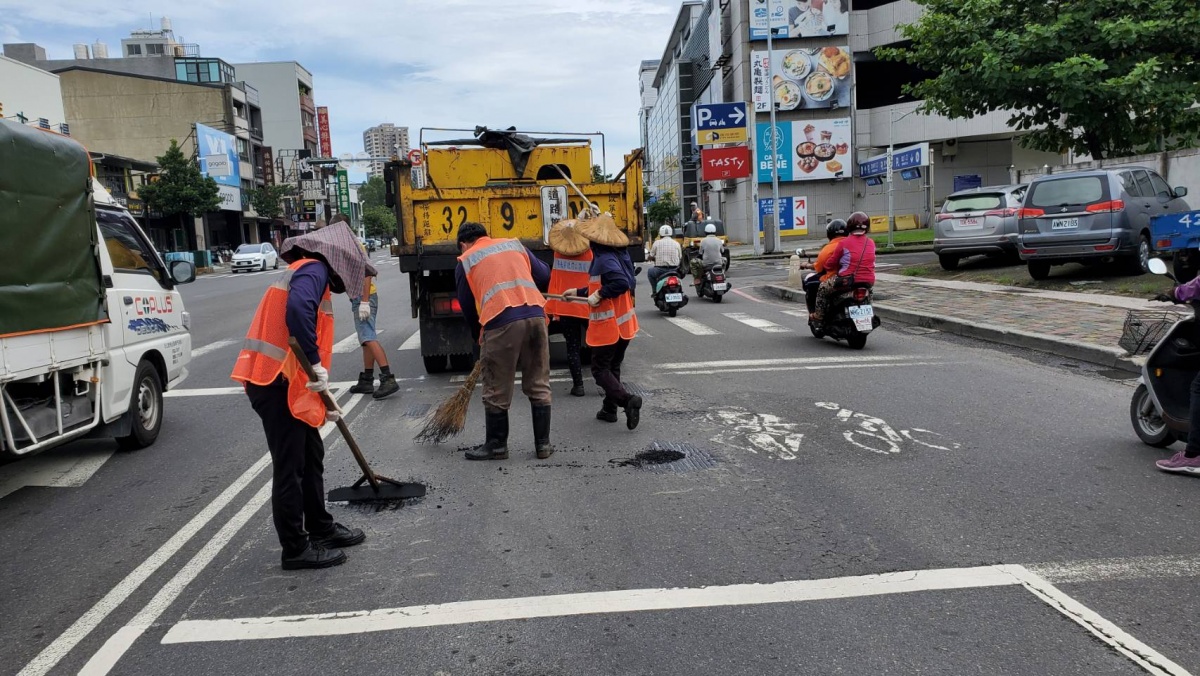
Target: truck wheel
{"points": [[461, 362], [1039, 270], [435, 363], [145, 409]]}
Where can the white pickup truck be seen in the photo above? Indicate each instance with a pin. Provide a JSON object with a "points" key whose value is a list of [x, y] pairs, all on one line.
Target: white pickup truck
{"points": [[92, 328]]}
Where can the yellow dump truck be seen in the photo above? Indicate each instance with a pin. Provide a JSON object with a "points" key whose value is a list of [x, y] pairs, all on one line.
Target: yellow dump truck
{"points": [[511, 182]]}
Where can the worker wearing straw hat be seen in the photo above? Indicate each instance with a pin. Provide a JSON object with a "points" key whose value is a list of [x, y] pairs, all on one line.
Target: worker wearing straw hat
{"points": [[499, 285], [612, 322], [572, 261]]}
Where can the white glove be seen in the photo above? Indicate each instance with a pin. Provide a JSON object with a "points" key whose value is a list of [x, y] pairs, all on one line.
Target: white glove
{"points": [[333, 416], [321, 384], [594, 299], [364, 311], [570, 293]]}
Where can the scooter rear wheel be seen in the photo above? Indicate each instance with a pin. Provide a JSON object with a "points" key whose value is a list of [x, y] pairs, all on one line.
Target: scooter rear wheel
{"points": [[1148, 425], [857, 341]]}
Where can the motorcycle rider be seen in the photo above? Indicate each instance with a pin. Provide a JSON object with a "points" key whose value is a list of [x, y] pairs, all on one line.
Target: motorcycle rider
{"points": [[711, 253], [835, 231], [1186, 461], [854, 257], [666, 254]]}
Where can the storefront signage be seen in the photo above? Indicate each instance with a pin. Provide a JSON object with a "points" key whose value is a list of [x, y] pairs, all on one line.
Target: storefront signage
{"points": [[905, 158], [799, 18], [323, 128], [343, 191], [793, 215], [801, 79], [719, 164], [806, 150], [219, 161]]}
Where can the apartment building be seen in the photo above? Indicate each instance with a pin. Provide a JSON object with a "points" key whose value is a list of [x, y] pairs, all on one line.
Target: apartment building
{"points": [[384, 140]]}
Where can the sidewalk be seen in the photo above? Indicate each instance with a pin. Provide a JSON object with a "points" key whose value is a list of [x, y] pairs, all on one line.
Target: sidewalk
{"points": [[1074, 325]]}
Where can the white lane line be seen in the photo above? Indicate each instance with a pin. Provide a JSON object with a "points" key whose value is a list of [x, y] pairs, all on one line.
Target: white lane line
{"points": [[53, 653], [211, 347], [633, 600], [1141, 654], [554, 373], [760, 324], [347, 345], [797, 313], [412, 343], [1132, 568], [222, 391], [115, 647], [734, 363], [819, 367], [693, 327]]}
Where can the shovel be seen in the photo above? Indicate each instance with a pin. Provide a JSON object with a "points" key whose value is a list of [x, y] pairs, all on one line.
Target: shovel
{"points": [[380, 487]]}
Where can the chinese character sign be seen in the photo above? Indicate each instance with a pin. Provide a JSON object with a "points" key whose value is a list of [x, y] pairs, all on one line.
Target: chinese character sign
{"points": [[799, 18], [806, 150], [323, 128], [343, 191], [793, 215]]}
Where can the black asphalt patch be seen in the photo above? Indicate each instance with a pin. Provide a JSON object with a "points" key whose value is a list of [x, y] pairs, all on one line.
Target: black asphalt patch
{"points": [[670, 458]]}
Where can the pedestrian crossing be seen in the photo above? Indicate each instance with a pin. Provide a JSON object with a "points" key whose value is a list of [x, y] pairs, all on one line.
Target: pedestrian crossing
{"points": [[755, 322], [228, 275], [768, 318]]}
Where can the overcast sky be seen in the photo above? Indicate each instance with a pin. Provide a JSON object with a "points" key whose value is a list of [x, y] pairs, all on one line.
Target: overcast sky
{"points": [[544, 65]]}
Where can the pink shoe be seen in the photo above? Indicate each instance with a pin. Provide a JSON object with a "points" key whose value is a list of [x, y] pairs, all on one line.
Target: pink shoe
{"points": [[1180, 464]]}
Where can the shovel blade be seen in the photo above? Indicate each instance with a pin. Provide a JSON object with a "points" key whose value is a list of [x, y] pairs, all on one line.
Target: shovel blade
{"points": [[387, 491]]}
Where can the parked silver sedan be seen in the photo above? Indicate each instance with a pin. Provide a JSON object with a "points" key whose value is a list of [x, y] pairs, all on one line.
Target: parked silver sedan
{"points": [[978, 221]]}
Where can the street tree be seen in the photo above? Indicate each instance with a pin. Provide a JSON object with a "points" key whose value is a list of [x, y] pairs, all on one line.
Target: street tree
{"points": [[379, 221], [598, 175], [1103, 77], [181, 190], [664, 210], [268, 200], [372, 193]]}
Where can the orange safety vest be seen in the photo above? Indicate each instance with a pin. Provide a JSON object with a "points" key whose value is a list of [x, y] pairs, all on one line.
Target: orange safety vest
{"points": [[569, 272], [612, 319], [265, 352], [499, 275]]}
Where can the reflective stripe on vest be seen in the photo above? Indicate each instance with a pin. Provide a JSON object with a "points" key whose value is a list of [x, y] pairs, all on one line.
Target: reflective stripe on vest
{"points": [[611, 320], [498, 272], [265, 353], [569, 272]]}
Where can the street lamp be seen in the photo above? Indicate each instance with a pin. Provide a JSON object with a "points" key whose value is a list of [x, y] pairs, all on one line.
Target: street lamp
{"points": [[892, 120]]}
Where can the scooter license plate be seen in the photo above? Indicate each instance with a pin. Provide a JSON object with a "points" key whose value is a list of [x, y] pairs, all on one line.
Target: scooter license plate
{"points": [[674, 297], [720, 286], [863, 315]]}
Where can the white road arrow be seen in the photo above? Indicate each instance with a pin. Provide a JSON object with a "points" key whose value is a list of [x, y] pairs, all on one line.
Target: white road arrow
{"points": [[68, 467], [738, 116]]}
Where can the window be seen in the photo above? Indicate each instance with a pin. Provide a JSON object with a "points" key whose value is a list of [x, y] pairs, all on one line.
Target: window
{"points": [[156, 50], [1145, 188], [134, 50], [975, 202], [1128, 183], [1066, 192], [1161, 189], [127, 247]]}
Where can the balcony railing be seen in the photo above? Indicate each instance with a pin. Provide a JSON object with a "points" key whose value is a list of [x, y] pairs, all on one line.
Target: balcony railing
{"points": [[306, 103]]}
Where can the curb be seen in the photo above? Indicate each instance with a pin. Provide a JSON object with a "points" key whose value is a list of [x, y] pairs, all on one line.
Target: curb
{"points": [[1110, 357]]}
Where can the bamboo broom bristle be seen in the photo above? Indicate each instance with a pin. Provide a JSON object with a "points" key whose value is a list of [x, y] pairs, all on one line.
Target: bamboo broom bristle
{"points": [[451, 416]]}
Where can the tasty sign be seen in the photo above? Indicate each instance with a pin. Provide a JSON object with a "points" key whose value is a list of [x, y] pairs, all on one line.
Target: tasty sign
{"points": [[718, 164]]}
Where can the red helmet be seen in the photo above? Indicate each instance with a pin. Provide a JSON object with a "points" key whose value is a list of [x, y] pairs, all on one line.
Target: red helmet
{"points": [[858, 221]]}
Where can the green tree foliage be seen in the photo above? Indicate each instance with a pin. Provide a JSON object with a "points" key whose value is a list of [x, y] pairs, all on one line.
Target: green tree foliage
{"points": [[664, 210], [1102, 77], [181, 189], [598, 175], [268, 201], [372, 193], [379, 221]]}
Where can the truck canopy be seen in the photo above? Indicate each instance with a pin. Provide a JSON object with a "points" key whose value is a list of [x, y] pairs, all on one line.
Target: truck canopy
{"points": [[50, 278]]}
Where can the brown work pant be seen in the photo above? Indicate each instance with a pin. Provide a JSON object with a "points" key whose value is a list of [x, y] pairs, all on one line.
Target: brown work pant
{"points": [[526, 341]]}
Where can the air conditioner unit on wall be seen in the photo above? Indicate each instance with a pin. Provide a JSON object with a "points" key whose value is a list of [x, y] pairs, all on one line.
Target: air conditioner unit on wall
{"points": [[950, 147]]}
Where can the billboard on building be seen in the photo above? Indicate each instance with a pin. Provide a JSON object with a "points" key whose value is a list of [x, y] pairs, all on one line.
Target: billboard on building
{"points": [[799, 18], [343, 191], [268, 165], [806, 150], [801, 79], [323, 128], [219, 161], [793, 215]]}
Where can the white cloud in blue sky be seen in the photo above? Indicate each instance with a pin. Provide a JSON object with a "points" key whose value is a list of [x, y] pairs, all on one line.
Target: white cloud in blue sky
{"points": [[566, 65]]}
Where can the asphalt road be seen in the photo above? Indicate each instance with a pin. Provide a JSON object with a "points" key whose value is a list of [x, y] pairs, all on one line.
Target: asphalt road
{"points": [[928, 505]]}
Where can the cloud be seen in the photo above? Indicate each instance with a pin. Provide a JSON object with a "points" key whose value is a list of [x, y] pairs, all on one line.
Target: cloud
{"points": [[550, 65]]}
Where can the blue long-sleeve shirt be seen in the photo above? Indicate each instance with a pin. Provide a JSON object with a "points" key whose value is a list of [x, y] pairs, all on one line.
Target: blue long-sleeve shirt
{"points": [[541, 276], [615, 270], [304, 299]]}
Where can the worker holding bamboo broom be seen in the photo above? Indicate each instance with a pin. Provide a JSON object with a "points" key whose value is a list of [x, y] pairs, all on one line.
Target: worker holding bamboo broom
{"points": [[499, 288]]}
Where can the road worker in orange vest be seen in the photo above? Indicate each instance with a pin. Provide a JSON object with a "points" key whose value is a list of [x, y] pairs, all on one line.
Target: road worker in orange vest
{"points": [[572, 260], [500, 286], [612, 322], [298, 305]]}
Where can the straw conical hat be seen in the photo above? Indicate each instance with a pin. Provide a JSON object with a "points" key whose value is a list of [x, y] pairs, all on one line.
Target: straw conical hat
{"points": [[603, 229], [566, 240]]}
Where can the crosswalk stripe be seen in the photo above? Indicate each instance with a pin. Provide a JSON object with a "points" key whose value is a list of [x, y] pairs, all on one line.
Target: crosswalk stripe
{"points": [[347, 344], [796, 313], [211, 347], [760, 324], [693, 327], [413, 342]]}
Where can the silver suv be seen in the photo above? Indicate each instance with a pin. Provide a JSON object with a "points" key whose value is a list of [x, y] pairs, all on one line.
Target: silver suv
{"points": [[978, 221], [1093, 215]]}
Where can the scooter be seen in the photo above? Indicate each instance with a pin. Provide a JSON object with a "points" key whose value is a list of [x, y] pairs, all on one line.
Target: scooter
{"points": [[668, 294], [1161, 406], [850, 316]]}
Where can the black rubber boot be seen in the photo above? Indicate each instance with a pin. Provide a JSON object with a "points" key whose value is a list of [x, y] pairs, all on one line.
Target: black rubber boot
{"points": [[366, 384], [608, 412], [495, 445], [633, 412], [577, 390], [541, 432], [387, 386]]}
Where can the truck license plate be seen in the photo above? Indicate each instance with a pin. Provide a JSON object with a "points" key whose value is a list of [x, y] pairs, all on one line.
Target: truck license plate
{"points": [[674, 297], [1064, 223], [862, 316]]}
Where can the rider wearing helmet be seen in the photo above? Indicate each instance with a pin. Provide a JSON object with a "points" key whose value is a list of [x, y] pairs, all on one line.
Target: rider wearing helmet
{"points": [[666, 254], [854, 260], [836, 231], [712, 252]]}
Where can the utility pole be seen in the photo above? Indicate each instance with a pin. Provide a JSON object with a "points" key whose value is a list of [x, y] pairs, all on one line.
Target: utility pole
{"points": [[771, 225]]}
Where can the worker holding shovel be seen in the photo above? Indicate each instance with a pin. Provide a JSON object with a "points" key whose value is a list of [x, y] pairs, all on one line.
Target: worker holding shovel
{"points": [[298, 305], [499, 285]]}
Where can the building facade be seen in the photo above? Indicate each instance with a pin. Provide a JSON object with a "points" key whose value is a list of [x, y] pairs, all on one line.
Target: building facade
{"points": [[31, 95], [836, 107], [289, 113], [384, 140]]}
